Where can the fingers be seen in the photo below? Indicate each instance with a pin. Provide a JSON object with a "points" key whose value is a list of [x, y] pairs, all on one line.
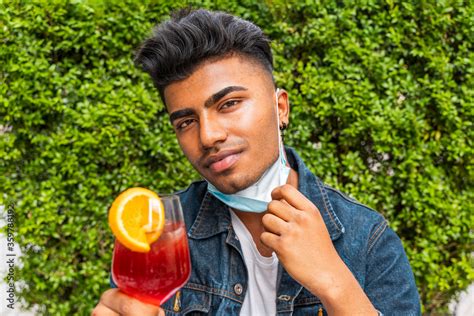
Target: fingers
{"points": [[112, 299], [280, 209], [294, 197], [274, 224], [102, 310], [123, 304], [270, 240]]}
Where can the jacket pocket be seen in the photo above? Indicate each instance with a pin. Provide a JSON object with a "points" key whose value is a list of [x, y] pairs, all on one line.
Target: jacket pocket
{"points": [[308, 305], [188, 302]]}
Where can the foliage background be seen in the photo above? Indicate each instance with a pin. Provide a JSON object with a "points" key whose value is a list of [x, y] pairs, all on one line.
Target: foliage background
{"points": [[382, 108]]}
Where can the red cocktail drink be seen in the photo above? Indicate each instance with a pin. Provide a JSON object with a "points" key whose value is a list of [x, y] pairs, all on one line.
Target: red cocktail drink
{"points": [[154, 276]]}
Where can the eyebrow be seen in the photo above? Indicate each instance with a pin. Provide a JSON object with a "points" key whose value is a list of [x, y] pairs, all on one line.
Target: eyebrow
{"points": [[222, 93], [180, 113], [210, 101]]}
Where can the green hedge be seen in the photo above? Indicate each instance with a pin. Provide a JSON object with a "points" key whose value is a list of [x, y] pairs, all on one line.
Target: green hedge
{"points": [[382, 100]]}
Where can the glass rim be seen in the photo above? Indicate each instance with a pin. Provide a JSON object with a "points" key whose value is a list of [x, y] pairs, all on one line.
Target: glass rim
{"points": [[167, 195]]}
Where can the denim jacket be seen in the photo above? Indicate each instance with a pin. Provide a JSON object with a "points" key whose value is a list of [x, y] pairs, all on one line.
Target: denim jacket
{"points": [[362, 238]]}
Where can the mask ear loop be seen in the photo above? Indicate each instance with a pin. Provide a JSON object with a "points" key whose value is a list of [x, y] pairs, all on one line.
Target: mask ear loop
{"points": [[281, 152], [278, 116]]}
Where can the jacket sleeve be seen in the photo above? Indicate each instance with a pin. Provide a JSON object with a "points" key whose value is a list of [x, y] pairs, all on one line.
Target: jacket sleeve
{"points": [[390, 284]]}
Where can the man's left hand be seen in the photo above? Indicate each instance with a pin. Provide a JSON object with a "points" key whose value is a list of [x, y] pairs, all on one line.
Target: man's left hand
{"points": [[296, 231], [298, 235]]}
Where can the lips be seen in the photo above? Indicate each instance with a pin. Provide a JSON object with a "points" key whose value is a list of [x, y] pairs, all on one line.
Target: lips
{"points": [[223, 160]]}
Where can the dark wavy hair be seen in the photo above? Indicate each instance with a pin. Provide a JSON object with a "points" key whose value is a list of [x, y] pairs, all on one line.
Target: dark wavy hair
{"points": [[191, 37]]}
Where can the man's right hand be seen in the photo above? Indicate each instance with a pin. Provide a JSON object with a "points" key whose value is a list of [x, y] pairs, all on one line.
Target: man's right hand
{"points": [[113, 303]]}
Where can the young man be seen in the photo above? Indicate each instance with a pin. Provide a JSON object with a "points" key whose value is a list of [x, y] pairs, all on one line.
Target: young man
{"points": [[266, 236]]}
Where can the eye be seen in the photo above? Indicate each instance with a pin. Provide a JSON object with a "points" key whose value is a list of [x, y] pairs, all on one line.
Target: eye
{"points": [[183, 124], [229, 104]]}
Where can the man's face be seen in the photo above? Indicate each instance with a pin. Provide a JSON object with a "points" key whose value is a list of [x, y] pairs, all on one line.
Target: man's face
{"points": [[225, 119]]}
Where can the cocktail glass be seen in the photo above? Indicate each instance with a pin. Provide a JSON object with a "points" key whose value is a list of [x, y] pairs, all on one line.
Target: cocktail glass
{"points": [[155, 276]]}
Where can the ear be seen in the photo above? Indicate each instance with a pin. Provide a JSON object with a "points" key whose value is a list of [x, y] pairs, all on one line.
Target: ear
{"points": [[283, 106]]}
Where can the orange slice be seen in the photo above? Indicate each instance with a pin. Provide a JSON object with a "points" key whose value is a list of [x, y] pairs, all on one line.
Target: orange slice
{"points": [[137, 218]]}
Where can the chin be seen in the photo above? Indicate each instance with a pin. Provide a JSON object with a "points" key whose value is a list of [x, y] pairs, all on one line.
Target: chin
{"points": [[226, 188], [228, 191], [231, 186]]}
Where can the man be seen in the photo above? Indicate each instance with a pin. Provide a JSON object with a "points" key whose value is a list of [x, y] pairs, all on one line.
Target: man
{"points": [[266, 236]]}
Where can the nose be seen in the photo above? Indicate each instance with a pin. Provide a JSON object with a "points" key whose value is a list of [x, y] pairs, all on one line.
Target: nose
{"points": [[211, 132]]}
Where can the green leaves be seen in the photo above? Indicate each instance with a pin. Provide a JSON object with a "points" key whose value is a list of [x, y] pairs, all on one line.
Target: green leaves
{"points": [[382, 97], [383, 111]]}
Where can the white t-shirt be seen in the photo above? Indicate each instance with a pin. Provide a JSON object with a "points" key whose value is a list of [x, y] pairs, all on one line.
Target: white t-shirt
{"points": [[260, 298]]}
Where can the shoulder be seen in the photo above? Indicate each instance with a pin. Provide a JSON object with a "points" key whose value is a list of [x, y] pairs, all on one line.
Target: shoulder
{"points": [[360, 221], [375, 255], [345, 203]]}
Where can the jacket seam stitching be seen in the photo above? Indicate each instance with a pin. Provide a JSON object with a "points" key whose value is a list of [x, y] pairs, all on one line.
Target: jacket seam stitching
{"points": [[212, 291], [325, 198], [189, 307], [305, 302], [350, 200], [376, 235], [326, 202], [198, 220]]}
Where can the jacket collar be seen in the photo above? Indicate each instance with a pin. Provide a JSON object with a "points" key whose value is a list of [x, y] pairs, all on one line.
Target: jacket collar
{"points": [[214, 217]]}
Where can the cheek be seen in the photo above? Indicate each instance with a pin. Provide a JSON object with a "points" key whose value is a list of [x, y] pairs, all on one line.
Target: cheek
{"points": [[189, 148], [262, 125]]}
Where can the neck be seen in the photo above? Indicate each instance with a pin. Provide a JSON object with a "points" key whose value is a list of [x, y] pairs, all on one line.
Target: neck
{"points": [[253, 221]]}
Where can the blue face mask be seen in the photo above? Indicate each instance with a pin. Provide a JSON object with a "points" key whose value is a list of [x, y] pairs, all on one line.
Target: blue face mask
{"points": [[256, 197]]}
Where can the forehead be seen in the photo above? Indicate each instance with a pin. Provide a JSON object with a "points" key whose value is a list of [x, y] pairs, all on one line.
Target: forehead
{"points": [[214, 75]]}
